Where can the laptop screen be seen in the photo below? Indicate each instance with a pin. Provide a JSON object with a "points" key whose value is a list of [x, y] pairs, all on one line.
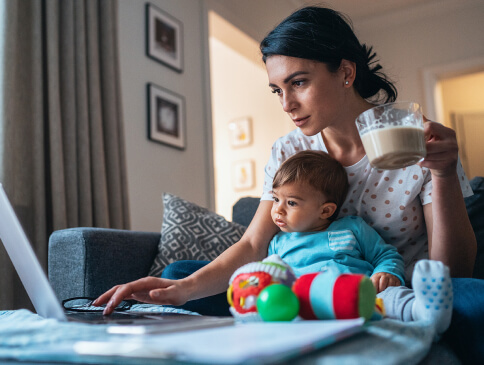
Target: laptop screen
{"points": [[25, 262]]}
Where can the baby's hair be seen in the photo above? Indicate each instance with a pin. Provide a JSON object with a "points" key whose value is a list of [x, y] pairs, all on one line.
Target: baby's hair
{"points": [[320, 171], [325, 35]]}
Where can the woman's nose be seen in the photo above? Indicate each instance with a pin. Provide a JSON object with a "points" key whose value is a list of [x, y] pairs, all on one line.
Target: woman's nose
{"points": [[288, 102]]}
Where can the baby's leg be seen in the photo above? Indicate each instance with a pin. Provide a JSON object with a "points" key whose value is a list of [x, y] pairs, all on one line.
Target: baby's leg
{"points": [[430, 299], [433, 294]]}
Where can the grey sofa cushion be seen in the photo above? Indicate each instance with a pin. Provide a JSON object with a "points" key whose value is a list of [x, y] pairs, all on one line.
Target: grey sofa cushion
{"points": [[85, 262], [244, 209], [190, 232]]}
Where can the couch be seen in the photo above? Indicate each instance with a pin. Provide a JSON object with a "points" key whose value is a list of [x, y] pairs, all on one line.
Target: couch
{"points": [[89, 261]]}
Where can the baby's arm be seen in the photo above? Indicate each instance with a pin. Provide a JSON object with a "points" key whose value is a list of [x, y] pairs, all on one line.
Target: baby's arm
{"points": [[387, 262]]}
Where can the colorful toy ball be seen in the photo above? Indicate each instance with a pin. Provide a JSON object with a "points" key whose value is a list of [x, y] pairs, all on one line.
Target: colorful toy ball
{"points": [[277, 302], [248, 281], [332, 295]]}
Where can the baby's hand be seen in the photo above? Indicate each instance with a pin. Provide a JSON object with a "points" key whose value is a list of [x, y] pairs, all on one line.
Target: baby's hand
{"points": [[382, 280]]}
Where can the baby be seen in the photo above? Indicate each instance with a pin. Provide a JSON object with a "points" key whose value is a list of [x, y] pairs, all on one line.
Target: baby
{"points": [[308, 190]]}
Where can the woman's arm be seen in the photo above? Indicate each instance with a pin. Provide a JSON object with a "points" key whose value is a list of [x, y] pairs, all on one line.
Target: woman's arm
{"points": [[211, 279], [451, 237]]}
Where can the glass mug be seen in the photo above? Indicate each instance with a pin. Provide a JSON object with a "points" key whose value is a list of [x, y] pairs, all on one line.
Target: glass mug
{"points": [[393, 135]]}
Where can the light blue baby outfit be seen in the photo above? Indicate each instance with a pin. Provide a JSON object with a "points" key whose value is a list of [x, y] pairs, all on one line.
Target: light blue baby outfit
{"points": [[349, 245]]}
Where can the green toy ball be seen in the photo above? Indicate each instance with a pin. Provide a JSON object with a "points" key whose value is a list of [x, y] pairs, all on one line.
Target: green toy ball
{"points": [[277, 302]]}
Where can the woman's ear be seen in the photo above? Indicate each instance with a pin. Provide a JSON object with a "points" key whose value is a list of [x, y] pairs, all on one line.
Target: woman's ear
{"points": [[327, 210], [348, 69]]}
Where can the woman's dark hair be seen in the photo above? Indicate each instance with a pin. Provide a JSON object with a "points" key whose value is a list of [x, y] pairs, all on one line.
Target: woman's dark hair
{"points": [[325, 35]]}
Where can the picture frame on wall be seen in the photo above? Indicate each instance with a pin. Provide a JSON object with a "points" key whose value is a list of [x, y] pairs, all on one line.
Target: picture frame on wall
{"points": [[166, 117], [243, 175], [240, 131], [164, 38]]}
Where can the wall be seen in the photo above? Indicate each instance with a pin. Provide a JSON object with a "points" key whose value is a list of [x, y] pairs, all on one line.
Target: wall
{"points": [[407, 43], [154, 168], [240, 89]]}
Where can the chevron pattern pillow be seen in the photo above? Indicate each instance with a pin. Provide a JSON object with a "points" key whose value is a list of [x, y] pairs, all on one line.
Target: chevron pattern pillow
{"points": [[190, 232]]}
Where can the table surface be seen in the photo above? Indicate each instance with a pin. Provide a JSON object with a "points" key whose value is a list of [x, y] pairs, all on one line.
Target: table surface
{"points": [[26, 337]]}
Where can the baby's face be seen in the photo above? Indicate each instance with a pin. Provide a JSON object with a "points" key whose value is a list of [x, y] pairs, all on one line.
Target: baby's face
{"points": [[298, 208]]}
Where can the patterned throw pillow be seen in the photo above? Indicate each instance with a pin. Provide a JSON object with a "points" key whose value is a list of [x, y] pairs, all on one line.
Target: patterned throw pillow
{"points": [[190, 232]]}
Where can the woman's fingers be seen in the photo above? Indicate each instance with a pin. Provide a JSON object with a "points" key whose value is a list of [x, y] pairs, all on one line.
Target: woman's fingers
{"points": [[104, 298], [442, 149], [138, 290], [169, 295]]}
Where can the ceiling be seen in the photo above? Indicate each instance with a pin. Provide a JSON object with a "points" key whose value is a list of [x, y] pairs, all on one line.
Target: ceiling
{"points": [[257, 17], [360, 9]]}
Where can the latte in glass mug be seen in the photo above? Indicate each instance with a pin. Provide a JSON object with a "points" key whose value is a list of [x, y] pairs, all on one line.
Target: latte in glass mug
{"points": [[393, 135]]}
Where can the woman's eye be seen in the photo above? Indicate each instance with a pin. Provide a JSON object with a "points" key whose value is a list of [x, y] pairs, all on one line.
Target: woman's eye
{"points": [[298, 82], [276, 91]]}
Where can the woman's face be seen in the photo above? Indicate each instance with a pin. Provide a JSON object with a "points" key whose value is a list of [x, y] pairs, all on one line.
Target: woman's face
{"points": [[309, 93]]}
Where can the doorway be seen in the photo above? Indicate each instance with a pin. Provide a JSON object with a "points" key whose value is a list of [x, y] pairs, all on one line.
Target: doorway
{"points": [[454, 95], [246, 117], [463, 110]]}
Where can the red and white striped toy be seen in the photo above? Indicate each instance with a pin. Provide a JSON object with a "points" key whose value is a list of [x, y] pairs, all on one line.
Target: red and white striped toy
{"points": [[331, 295]]}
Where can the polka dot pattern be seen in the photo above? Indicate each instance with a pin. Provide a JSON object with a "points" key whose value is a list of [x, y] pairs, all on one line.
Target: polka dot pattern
{"points": [[389, 201]]}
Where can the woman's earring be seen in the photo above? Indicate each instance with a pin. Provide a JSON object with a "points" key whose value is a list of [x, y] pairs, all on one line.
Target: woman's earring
{"points": [[347, 82]]}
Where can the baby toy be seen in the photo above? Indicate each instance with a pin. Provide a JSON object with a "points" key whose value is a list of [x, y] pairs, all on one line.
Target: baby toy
{"points": [[277, 302], [248, 281], [269, 291], [332, 295]]}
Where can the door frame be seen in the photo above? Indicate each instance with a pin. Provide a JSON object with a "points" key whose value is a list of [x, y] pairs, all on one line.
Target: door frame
{"points": [[434, 74]]}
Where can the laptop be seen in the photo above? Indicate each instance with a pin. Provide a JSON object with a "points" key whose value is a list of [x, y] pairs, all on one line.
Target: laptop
{"points": [[47, 305]]}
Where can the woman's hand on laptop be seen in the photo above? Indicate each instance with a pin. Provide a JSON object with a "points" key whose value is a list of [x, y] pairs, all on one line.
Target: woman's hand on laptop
{"points": [[147, 290]]}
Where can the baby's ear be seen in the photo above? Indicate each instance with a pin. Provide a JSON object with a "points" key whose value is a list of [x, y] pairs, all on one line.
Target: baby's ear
{"points": [[327, 210]]}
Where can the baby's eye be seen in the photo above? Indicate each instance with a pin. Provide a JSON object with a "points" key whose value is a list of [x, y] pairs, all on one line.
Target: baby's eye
{"points": [[291, 203], [276, 199]]}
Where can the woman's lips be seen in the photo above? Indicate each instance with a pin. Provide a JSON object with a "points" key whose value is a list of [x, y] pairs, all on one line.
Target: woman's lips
{"points": [[300, 121]]}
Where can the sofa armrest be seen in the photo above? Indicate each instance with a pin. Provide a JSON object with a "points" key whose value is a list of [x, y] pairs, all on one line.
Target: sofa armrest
{"points": [[89, 261]]}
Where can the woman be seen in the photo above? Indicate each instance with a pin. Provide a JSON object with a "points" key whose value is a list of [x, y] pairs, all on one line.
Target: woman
{"points": [[324, 78]]}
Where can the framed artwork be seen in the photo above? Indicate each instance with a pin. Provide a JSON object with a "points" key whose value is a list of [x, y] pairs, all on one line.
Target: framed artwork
{"points": [[164, 38], [240, 132], [166, 117], [243, 175]]}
